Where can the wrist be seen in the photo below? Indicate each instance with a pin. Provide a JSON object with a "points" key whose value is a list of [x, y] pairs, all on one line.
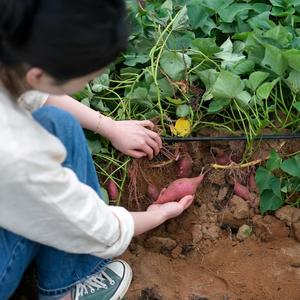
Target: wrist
{"points": [[105, 126]]}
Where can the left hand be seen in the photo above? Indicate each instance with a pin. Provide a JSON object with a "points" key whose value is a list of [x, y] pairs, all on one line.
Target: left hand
{"points": [[136, 138], [172, 209]]}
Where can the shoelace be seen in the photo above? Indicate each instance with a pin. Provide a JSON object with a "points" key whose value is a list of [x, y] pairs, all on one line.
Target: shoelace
{"points": [[92, 284]]}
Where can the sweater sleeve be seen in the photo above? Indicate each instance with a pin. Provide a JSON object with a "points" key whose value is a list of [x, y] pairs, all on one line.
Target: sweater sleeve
{"points": [[32, 100], [45, 202]]}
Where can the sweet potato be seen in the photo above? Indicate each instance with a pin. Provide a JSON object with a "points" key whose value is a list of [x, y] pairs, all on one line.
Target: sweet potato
{"points": [[220, 156], [152, 191], [112, 190], [241, 191], [252, 183], [179, 188], [184, 166]]}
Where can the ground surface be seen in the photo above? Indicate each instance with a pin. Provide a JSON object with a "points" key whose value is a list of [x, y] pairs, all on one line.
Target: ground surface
{"points": [[248, 270], [197, 256]]}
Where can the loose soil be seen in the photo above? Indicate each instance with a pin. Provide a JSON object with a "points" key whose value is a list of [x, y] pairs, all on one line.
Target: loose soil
{"points": [[198, 256]]}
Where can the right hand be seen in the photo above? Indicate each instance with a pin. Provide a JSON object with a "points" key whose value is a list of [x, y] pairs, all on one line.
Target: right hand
{"points": [[172, 209]]}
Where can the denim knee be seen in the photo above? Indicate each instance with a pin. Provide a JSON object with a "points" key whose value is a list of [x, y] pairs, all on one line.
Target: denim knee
{"points": [[56, 120]]}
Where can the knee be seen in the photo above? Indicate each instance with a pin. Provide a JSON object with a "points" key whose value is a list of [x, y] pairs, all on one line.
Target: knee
{"points": [[53, 118]]}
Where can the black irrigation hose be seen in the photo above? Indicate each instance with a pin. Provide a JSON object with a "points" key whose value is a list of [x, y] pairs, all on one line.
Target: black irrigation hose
{"points": [[229, 138]]}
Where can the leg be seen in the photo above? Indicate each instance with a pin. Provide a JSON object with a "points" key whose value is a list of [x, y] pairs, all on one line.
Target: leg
{"points": [[15, 256], [50, 261]]}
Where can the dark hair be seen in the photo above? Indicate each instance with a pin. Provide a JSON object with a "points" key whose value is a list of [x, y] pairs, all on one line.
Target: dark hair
{"points": [[65, 38]]}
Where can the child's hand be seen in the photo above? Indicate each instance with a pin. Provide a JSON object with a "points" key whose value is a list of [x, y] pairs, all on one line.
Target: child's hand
{"points": [[172, 209], [135, 138]]}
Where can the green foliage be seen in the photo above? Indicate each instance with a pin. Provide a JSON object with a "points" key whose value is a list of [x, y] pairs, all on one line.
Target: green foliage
{"points": [[245, 54], [221, 63], [278, 182]]}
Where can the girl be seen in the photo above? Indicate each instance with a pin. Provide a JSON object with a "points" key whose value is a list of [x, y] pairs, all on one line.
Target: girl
{"points": [[50, 206]]}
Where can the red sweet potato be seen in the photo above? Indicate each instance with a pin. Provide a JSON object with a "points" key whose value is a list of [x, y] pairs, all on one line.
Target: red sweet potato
{"points": [[184, 166], [252, 182], [179, 188], [152, 191], [112, 190], [221, 157], [241, 191]]}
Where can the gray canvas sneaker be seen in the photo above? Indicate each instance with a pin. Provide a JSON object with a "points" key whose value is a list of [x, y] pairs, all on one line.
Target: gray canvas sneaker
{"points": [[111, 283]]}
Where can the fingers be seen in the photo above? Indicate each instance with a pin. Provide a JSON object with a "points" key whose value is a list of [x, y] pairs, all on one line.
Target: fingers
{"points": [[146, 123], [187, 201], [156, 137], [154, 145], [136, 153]]}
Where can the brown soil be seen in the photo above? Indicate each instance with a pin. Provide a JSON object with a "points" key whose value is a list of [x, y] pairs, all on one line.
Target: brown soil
{"points": [[197, 256]]}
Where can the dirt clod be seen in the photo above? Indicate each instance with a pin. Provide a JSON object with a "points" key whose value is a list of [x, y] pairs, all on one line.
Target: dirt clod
{"points": [[239, 208], [150, 294], [176, 252], [244, 232], [210, 231], [160, 243], [296, 224], [197, 234], [285, 214], [226, 218], [269, 228]]}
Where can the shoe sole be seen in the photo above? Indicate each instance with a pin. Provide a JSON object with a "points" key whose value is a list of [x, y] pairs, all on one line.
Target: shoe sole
{"points": [[125, 283]]}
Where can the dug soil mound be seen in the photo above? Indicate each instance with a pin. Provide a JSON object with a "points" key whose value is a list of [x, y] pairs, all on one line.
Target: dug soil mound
{"points": [[220, 248]]}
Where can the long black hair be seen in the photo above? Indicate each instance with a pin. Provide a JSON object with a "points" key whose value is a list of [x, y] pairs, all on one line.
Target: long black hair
{"points": [[65, 38]]}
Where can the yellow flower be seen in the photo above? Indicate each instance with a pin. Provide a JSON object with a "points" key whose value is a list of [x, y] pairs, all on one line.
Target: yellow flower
{"points": [[182, 127]]}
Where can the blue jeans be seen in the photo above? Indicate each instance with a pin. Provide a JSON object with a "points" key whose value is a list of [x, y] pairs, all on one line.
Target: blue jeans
{"points": [[57, 271]]}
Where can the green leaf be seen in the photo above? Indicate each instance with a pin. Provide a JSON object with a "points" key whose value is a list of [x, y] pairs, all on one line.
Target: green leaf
{"points": [[217, 5], [181, 40], [265, 180], [207, 46], [282, 12], [182, 111], [86, 102], [181, 20], [261, 21], [227, 86], [229, 58], [168, 5], [263, 92], [254, 47], [174, 64], [293, 81], [293, 58], [243, 98], [274, 59], [255, 79], [274, 161], [94, 146], [229, 13], [270, 201], [208, 77], [198, 14], [243, 67], [139, 97], [261, 7], [297, 106], [216, 105], [166, 88], [291, 166], [132, 59], [151, 114], [280, 34], [101, 83]]}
